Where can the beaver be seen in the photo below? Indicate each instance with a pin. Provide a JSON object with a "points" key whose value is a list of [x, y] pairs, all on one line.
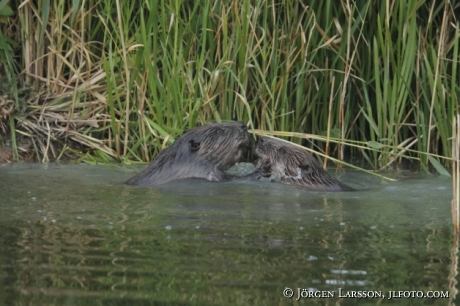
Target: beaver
{"points": [[292, 165], [202, 152]]}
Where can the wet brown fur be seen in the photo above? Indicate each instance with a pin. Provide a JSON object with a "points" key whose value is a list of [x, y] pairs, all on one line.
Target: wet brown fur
{"points": [[202, 152], [293, 165]]}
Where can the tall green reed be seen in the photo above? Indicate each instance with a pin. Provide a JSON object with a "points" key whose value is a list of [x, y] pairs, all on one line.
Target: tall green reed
{"points": [[137, 74]]}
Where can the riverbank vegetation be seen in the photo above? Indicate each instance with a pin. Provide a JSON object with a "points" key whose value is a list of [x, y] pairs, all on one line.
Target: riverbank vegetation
{"points": [[119, 80]]}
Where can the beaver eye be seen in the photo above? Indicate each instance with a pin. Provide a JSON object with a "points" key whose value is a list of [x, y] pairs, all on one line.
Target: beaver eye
{"points": [[244, 127], [194, 146], [282, 150], [219, 131]]}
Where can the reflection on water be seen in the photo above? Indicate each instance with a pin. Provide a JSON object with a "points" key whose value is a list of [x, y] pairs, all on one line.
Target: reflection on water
{"points": [[74, 235]]}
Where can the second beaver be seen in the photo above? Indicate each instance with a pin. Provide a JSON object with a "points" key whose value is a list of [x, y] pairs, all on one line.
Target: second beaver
{"points": [[293, 165], [202, 152]]}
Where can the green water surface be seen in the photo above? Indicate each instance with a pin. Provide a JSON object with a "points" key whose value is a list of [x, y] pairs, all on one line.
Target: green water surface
{"points": [[75, 235]]}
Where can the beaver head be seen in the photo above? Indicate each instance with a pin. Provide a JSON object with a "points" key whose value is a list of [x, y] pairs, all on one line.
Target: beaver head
{"points": [[293, 165], [202, 152], [221, 144]]}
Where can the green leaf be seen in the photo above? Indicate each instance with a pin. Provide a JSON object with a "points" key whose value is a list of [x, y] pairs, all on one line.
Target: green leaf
{"points": [[160, 130], [5, 10], [75, 7], [441, 170], [45, 9], [375, 145], [334, 133]]}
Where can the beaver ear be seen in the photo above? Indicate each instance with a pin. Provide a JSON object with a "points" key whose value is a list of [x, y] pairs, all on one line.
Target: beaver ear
{"points": [[194, 146]]}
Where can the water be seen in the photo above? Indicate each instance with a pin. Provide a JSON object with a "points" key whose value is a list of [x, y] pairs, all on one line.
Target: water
{"points": [[74, 235]]}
